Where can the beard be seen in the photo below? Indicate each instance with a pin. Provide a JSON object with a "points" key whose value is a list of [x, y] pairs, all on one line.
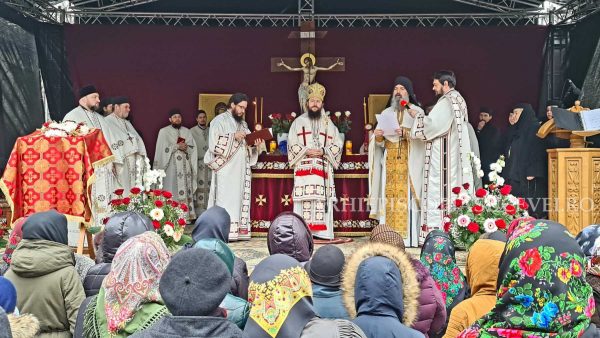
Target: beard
{"points": [[396, 102], [314, 115], [238, 118], [176, 125]]}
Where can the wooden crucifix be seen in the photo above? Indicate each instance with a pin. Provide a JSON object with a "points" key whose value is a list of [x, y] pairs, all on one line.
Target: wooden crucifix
{"points": [[308, 64]]}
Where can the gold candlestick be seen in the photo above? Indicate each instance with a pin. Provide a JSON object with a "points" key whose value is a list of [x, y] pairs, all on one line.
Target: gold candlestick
{"points": [[348, 147], [255, 102], [272, 146], [261, 109], [365, 109]]}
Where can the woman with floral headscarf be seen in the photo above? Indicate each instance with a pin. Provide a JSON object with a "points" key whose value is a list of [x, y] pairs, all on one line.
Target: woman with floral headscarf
{"points": [[438, 255], [589, 241], [129, 300], [542, 290], [281, 295]]}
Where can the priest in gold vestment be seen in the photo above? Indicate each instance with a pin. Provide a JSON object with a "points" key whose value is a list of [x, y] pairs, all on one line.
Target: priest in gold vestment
{"points": [[395, 168]]}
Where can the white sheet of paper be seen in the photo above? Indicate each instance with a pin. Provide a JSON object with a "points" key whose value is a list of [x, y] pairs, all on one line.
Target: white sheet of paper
{"points": [[388, 122], [591, 119]]}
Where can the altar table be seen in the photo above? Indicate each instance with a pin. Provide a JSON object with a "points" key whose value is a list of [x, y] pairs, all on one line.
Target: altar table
{"points": [[273, 181]]}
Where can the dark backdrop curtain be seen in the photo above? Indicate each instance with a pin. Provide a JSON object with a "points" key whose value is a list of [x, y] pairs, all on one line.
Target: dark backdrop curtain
{"points": [[28, 50]]}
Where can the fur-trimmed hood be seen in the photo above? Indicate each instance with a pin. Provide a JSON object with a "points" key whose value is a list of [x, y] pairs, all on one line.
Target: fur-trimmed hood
{"points": [[24, 326], [410, 286]]}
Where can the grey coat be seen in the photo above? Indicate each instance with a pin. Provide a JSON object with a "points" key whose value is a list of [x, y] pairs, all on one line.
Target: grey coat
{"points": [[190, 327]]}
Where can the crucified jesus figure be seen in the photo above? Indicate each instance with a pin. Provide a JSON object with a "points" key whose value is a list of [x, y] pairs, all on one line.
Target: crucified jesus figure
{"points": [[310, 72]]}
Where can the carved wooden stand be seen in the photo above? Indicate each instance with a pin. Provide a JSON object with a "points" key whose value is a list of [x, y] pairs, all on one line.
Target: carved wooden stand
{"points": [[574, 187]]}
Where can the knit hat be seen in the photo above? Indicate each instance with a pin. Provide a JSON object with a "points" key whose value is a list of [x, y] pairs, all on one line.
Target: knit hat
{"points": [[194, 283], [385, 234], [8, 295], [326, 265]]}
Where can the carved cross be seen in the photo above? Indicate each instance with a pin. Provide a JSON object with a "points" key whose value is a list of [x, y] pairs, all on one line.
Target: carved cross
{"points": [[307, 36]]}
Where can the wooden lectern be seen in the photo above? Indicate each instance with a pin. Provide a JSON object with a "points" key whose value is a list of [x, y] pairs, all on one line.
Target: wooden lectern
{"points": [[574, 187]]}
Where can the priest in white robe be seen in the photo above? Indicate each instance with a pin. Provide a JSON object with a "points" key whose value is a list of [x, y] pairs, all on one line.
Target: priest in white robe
{"points": [[127, 146], [85, 112], [314, 151], [104, 178], [447, 161], [176, 155], [203, 178], [230, 159], [396, 168]]}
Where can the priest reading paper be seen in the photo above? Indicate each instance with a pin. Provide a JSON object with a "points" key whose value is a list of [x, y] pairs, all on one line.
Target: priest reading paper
{"points": [[314, 151], [396, 165], [230, 159], [127, 146], [176, 154], [447, 150]]}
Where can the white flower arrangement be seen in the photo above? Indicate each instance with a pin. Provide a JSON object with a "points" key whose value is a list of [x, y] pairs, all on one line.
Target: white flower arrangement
{"points": [[55, 133], [64, 129], [338, 114], [496, 169], [151, 178], [347, 113]]}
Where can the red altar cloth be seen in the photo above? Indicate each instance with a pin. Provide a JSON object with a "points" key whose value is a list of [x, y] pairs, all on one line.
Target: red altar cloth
{"points": [[45, 173], [273, 181]]}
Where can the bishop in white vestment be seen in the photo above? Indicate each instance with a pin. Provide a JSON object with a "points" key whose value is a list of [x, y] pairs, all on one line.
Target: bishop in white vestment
{"points": [[447, 161], [127, 146], [314, 151], [230, 159], [176, 155]]}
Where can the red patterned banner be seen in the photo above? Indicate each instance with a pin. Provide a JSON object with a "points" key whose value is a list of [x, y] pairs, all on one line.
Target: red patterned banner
{"points": [[272, 184], [46, 173]]}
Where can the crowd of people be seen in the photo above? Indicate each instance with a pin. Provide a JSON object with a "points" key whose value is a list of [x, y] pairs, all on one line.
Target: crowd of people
{"points": [[536, 280]]}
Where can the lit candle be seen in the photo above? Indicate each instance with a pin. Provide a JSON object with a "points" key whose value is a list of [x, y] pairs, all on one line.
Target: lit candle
{"points": [[261, 109], [255, 102], [365, 109]]}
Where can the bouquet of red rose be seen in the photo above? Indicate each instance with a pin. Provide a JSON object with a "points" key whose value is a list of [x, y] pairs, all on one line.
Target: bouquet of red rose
{"points": [[491, 209], [281, 123], [167, 215]]}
